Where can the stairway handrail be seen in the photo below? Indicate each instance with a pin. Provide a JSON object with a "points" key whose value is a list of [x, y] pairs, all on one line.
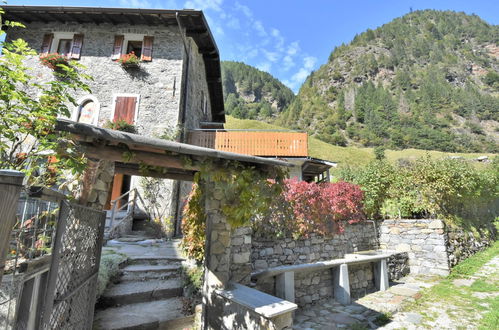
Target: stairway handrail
{"points": [[133, 202]]}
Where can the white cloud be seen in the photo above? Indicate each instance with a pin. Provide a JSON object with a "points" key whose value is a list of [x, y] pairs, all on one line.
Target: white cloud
{"points": [[288, 62], [136, 3], [258, 26], [293, 48], [244, 9], [309, 62], [271, 56], [233, 23], [299, 77], [215, 5], [265, 66]]}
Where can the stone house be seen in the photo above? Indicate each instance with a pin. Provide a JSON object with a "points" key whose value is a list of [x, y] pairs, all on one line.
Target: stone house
{"points": [[176, 87]]}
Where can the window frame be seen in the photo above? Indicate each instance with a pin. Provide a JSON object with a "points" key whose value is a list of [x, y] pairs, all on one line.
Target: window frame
{"points": [[57, 37], [81, 101]]}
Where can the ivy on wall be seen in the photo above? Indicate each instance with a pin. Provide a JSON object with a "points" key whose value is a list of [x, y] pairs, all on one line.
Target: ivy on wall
{"points": [[244, 192]]}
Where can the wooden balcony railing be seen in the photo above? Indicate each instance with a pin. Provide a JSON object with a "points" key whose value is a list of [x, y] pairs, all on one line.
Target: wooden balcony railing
{"points": [[256, 143]]}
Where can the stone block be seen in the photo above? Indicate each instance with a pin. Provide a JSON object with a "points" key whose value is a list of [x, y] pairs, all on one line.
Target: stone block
{"points": [[261, 264], [247, 239], [403, 247], [244, 257], [236, 241], [436, 224]]}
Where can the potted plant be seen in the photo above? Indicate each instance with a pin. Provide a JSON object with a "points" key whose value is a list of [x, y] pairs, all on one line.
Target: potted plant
{"points": [[129, 60], [121, 125], [53, 60]]}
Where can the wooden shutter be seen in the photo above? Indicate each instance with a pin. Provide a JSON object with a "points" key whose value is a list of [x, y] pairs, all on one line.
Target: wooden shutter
{"points": [[124, 109], [118, 45], [46, 43], [147, 49], [76, 48]]}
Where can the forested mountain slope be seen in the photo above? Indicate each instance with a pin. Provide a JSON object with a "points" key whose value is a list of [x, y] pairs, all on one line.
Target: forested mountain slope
{"points": [[251, 93], [427, 80]]}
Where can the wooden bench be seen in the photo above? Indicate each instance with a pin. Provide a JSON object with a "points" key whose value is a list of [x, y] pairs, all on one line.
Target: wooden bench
{"points": [[285, 287]]}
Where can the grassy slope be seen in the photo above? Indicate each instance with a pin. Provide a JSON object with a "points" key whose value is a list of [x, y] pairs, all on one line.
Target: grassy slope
{"points": [[345, 155]]}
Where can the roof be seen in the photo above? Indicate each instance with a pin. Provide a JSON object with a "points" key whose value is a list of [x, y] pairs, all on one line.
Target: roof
{"points": [[179, 161], [193, 21]]}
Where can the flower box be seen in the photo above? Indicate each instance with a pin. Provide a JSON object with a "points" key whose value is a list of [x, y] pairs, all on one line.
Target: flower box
{"points": [[53, 60], [129, 60]]}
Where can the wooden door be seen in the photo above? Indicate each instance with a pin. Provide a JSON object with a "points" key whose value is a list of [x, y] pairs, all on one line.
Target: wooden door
{"points": [[124, 108]]}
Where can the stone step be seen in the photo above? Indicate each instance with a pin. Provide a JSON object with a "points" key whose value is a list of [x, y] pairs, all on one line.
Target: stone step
{"points": [[154, 260], [131, 292], [149, 272], [159, 314]]}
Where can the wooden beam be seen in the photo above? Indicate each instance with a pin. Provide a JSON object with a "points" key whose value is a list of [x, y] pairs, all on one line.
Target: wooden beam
{"points": [[131, 169], [153, 159]]}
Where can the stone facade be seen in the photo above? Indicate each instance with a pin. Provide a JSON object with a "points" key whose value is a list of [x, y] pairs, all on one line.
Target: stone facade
{"points": [[171, 90], [431, 246]]}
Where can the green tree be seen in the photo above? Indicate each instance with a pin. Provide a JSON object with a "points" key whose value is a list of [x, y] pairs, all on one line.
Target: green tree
{"points": [[28, 113]]}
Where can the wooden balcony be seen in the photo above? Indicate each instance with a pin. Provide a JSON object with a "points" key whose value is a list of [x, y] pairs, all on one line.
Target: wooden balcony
{"points": [[256, 143]]}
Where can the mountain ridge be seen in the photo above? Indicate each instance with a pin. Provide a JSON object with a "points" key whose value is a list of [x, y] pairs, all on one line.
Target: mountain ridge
{"points": [[426, 80]]}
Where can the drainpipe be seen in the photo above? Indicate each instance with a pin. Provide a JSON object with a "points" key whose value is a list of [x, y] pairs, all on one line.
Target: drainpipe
{"points": [[181, 120]]}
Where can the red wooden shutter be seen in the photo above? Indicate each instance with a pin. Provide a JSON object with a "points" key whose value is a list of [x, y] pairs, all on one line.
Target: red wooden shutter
{"points": [[46, 43], [76, 49], [147, 49], [118, 45], [124, 109]]}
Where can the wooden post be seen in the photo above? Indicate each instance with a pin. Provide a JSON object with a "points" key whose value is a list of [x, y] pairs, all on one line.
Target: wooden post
{"points": [[10, 189]]}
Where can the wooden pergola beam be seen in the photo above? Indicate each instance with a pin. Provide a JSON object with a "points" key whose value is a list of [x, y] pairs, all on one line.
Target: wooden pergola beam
{"points": [[148, 158], [132, 169]]}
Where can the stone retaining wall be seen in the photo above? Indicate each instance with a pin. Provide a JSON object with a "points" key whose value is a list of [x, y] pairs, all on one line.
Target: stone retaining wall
{"points": [[251, 253], [432, 248]]}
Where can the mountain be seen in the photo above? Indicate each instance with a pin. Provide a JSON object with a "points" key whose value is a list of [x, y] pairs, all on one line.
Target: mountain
{"points": [[427, 80], [251, 93]]}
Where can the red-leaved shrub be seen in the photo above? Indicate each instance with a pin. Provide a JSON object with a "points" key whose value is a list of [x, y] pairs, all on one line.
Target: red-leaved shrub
{"points": [[305, 208]]}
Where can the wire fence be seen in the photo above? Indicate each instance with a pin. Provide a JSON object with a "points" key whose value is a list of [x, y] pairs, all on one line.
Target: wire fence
{"points": [[31, 239]]}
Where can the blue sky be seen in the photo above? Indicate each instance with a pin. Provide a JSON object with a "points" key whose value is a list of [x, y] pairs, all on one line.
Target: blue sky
{"points": [[290, 38]]}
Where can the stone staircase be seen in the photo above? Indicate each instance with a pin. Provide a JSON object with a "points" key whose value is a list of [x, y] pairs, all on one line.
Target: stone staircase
{"points": [[149, 292]]}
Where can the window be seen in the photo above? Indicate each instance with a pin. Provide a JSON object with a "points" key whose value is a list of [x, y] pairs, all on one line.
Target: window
{"points": [[141, 45], [65, 43], [87, 111], [64, 47], [134, 46]]}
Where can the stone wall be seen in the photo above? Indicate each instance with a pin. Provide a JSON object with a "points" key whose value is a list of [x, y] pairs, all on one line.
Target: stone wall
{"points": [[250, 253], [432, 248], [424, 241], [462, 244]]}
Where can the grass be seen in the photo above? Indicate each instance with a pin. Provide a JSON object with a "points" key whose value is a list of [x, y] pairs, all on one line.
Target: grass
{"points": [[477, 304], [347, 155]]}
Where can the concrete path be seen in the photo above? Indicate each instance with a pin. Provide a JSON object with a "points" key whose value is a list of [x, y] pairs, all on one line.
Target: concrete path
{"points": [[367, 311], [371, 311], [149, 292]]}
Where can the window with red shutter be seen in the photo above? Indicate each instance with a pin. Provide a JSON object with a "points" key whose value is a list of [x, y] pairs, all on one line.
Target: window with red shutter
{"points": [[46, 43], [76, 48], [118, 46], [147, 48]]}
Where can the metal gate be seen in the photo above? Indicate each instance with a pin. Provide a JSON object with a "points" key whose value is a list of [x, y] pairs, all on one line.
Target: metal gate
{"points": [[70, 295]]}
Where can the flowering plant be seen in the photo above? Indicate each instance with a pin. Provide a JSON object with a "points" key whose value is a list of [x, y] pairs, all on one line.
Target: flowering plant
{"points": [[53, 60], [129, 60]]}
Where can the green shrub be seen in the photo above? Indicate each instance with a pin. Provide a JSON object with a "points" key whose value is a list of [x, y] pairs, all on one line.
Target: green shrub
{"points": [[109, 268]]}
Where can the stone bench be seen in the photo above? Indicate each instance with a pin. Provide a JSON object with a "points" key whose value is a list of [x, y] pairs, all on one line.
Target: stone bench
{"points": [[285, 287], [253, 309]]}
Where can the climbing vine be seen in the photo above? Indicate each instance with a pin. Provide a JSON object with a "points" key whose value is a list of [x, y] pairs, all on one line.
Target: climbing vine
{"points": [[245, 193]]}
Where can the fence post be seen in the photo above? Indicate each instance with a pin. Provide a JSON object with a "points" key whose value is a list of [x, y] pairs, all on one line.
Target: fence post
{"points": [[10, 189]]}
